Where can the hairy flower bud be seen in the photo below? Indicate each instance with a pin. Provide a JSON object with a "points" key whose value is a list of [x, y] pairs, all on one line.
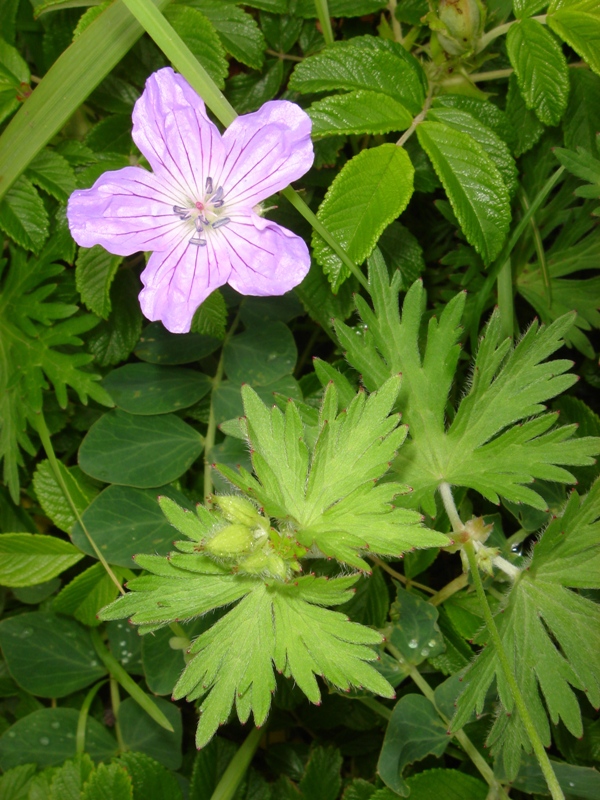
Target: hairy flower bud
{"points": [[230, 541], [237, 510], [463, 21]]}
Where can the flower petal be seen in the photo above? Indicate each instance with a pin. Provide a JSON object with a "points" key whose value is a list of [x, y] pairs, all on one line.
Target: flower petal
{"points": [[126, 211], [265, 150], [177, 281], [266, 259], [171, 129]]}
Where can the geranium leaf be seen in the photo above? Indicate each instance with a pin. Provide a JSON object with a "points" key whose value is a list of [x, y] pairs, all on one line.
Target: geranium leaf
{"points": [[370, 192]]}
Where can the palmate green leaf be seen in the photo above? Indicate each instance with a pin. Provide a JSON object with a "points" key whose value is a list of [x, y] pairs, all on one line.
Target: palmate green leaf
{"points": [[549, 634], [364, 63], [578, 23], [362, 111], [541, 69], [370, 192], [474, 185], [31, 333], [237, 30], [499, 439]]}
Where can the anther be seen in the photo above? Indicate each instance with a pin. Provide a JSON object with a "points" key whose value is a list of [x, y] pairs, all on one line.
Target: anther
{"points": [[220, 222], [198, 223], [182, 213], [198, 242], [218, 195], [209, 186], [218, 204]]}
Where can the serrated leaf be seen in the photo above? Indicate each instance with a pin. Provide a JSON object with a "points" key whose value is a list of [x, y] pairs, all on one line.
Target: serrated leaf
{"points": [[200, 36], [337, 8], [363, 63], [238, 31], [248, 91], [578, 23], [210, 318], [548, 632], [114, 339], [27, 559], [451, 784], [322, 779], [499, 439], [473, 184], [51, 497], [52, 172], [23, 215], [95, 270], [151, 781], [582, 118], [358, 112], [541, 69], [370, 192], [493, 145], [527, 127], [86, 594], [108, 782], [483, 110], [70, 777]]}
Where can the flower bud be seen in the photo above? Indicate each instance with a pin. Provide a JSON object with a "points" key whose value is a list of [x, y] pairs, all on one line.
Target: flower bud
{"points": [[463, 20], [236, 509], [230, 541]]}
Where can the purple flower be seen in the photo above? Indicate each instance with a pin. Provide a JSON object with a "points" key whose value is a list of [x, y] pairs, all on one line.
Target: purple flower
{"points": [[195, 210]]}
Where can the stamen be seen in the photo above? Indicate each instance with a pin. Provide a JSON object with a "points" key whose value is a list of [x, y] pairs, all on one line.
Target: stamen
{"points": [[182, 213], [198, 224], [220, 222], [218, 195], [198, 242], [209, 186], [219, 204]]}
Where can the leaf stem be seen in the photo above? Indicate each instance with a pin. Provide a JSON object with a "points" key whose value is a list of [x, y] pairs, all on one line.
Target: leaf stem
{"points": [[399, 576], [532, 733], [396, 26], [209, 441], [500, 30], [115, 701], [506, 304], [117, 672], [236, 769], [39, 423], [376, 706], [539, 248], [417, 120], [325, 20], [449, 589], [450, 506], [83, 716]]}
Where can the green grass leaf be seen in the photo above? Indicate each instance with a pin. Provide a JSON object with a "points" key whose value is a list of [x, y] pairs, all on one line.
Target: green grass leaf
{"points": [[370, 192], [474, 185], [541, 69]]}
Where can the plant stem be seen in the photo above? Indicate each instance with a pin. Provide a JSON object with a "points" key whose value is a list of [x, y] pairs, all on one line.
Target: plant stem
{"points": [[539, 248], [284, 56], [396, 27], [83, 716], [40, 425], [117, 672], [528, 724], [505, 299], [489, 37], [416, 121], [399, 576], [449, 589], [492, 75], [234, 774], [209, 441], [449, 505], [325, 20], [115, 701], [376, 706]]}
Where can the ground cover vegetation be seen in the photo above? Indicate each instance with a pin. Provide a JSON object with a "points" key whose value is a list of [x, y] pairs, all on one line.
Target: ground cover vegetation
{"points": [[299, 491]]}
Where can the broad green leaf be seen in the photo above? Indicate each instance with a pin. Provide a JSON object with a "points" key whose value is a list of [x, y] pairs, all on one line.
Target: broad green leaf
{"points": [[94, 274], [237, 30], [338, 8], [575, 781], [527, 127], [53, 174], [322, 779], [358, 112], [141, 451], [447, 783], [210, 318], [140, 733], [23, 216], [493, 145], [548, 632], [14, 75], [367, 63], [414, 731], [248, 91], [484, 110], [27, 559], [108, 782], [113, 339], [47, 738], [51, 497], [158, 346], [281, 30], [582, 118], [370, 192], [87, 593], [162, 664], [227, 399], [499, 438], [31, 331], [414, 631], [371, 602], [541, 69], [473, 184], [47, 655], [112, 134], [320, 302], [200, 36], [125, 521], [147, 389], [151, 781], [260, 356], [578, 23], [402, 251]]}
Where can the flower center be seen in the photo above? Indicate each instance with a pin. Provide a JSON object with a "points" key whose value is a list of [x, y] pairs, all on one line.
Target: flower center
{"points": [[204, 214]]}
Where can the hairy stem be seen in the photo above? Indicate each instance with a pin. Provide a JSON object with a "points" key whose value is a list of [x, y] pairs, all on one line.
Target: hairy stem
{"points": [[209, 441], [234, 774], [44, 434], [528, 724], [399, 576], [324, 20]]}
